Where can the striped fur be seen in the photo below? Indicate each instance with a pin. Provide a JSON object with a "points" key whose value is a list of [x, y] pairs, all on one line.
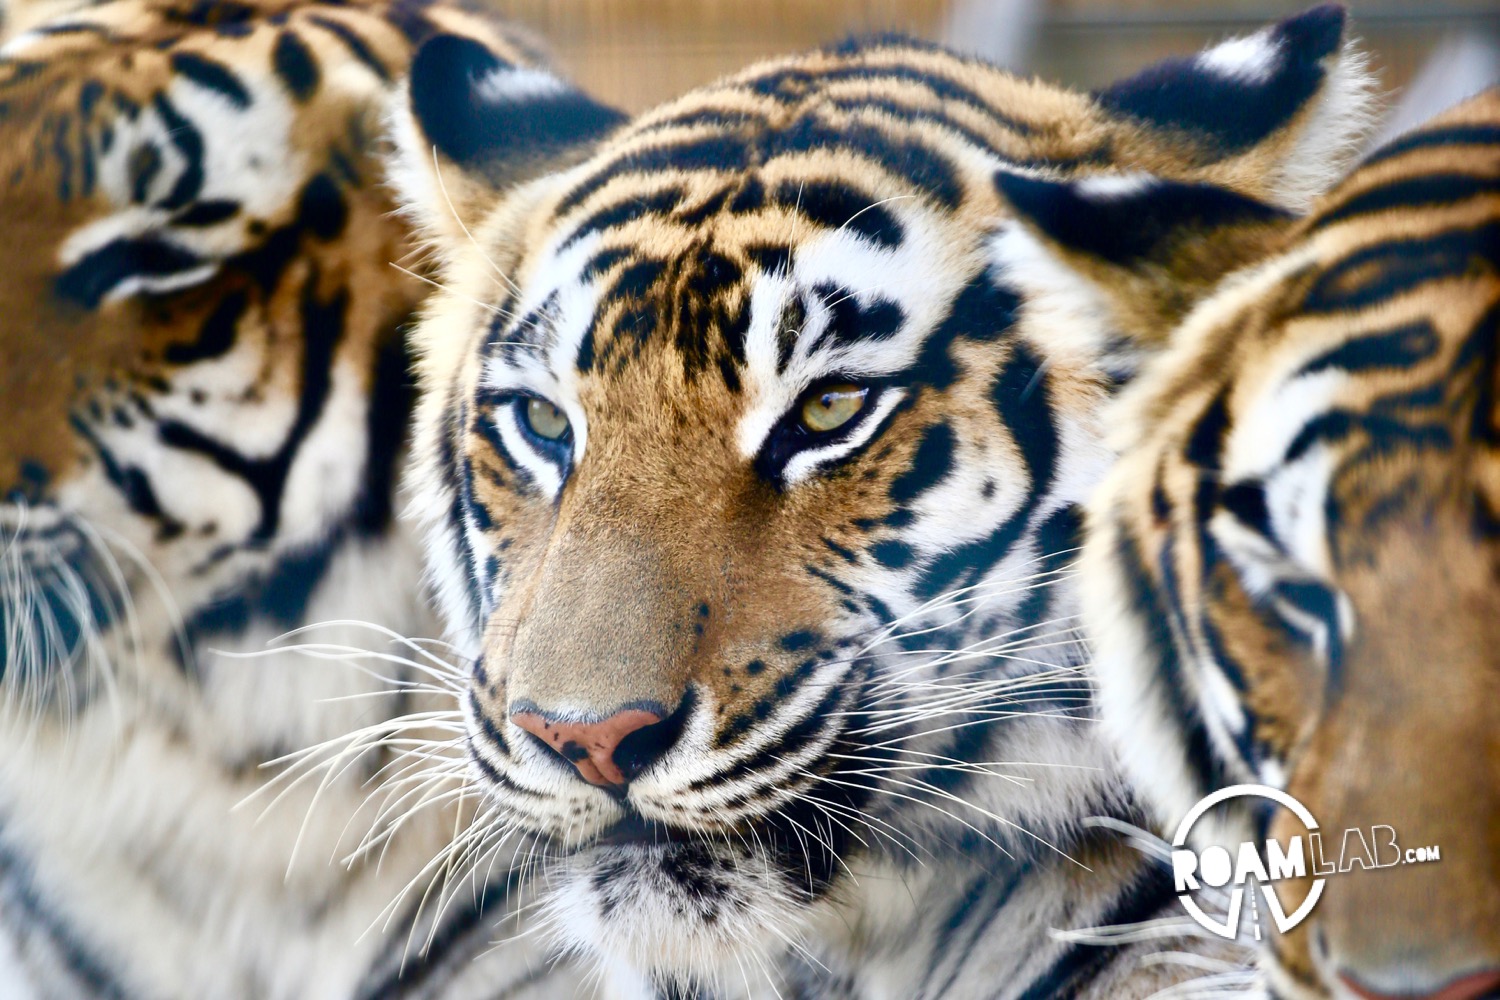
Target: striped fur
{"points": [[875, 752], [1293, 574], [205, 398]]}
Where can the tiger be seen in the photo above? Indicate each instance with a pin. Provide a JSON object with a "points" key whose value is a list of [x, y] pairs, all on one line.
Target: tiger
{"points": [[206, 395], [1291, 573], [749, 455]]}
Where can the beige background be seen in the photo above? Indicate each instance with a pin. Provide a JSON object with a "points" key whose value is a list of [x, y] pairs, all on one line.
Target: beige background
{"points": [[637, 52]]}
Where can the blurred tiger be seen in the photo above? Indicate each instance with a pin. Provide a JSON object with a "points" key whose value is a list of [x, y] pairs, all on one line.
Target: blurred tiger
{"points": [[204, 397], [749, 456], [1293, 573]]}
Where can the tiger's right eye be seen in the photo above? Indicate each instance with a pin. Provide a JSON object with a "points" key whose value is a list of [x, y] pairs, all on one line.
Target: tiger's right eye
{"points": [[545, 420], [831, 407]]}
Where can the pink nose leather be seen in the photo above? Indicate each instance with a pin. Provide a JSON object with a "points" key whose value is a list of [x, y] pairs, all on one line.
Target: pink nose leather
{"points": [[1480, 984], [589, 745]]}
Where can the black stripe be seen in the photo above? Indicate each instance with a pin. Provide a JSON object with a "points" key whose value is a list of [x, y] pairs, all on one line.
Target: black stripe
{"points": [[1456, 135], [143, 164], [945, 88], [323, 327], [1386, 433], [1057, 538], [189, 142], [206, 213], [1429, 191], [914, 164], [213, 76], [1383, 271], [411, 972], [280, 595], [392, 395], [356, 45], [850, 321], [1206, 442], [62, 154], [620, 213], [713, 152], [1022, 397], [1247, 502], [101, 271], [983, 311], [132, 482], [91, 974], [1078, 965], [484, 425], [216, 334], [737, 119], [930, 464], [986, 890], [296, 65], [1403, 346], [909, 114], [1151, 616], [1482, 345], [839, 205]]}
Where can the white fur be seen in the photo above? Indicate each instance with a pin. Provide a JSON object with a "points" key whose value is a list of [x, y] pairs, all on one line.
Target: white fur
{"points": [[518, 84], [1251, 59], [1111, 187], [1336, 123]]}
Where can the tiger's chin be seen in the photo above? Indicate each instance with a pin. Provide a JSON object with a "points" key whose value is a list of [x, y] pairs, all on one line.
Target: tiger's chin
{"points": [[681, 911]]}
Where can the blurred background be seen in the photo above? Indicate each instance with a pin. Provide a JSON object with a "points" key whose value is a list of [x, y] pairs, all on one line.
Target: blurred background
{"points": [[1429, 53]]}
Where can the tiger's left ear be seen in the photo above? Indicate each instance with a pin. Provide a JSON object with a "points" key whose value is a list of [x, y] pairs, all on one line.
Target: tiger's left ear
{"points": [[470, 125], [1276, 115], [1241, 137]]}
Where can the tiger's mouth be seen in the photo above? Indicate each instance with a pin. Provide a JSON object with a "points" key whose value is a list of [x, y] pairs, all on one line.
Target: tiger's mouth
{"points": [[635, 830]]}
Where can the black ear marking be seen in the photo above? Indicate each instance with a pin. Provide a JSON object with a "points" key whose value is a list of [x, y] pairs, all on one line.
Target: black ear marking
{"points": [[1127, 220], [476, 107], [1240, 91]]}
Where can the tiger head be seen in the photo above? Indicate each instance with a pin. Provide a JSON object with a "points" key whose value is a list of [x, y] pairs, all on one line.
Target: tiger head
{"points": [[783, 389], [204, 390], [1293, 573]]}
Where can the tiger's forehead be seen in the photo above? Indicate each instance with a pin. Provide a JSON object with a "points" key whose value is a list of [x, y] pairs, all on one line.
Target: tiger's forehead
{"points": [[754, 303]]}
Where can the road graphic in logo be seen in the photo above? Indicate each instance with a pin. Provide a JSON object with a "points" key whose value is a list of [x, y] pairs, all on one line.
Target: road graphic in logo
{"points": [[1368, 848]]}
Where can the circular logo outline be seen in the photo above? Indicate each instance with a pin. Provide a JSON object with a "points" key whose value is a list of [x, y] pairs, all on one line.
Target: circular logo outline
{"points": [[1230, 927]]}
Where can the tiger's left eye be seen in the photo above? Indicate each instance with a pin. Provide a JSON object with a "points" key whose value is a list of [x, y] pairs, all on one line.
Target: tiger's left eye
{"points": [[831, 407], [545, 420]]}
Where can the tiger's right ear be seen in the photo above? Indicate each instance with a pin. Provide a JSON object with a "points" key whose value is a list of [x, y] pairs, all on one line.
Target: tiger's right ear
{"points": [[470, 124]]}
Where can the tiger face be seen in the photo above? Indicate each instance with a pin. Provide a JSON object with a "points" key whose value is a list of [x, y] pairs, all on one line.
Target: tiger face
{"points": [[1293, 572], [751, 447], [204, 392]]}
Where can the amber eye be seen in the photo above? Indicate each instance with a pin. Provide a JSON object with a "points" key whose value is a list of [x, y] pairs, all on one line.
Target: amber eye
{"points": [[831, 407], [545, 420]]}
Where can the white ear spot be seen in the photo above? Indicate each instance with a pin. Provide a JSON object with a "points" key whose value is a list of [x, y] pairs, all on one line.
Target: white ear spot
{"points": [[1113, 187], [1251, 59], [517, 85]]}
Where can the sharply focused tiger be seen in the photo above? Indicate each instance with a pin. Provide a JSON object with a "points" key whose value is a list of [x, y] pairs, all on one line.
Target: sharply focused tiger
{"points": [[750, 453], [1293, 574], [203, 396]]}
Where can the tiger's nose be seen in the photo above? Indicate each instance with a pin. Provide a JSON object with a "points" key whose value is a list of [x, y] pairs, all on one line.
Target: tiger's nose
{"points": [[611, 751]]}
